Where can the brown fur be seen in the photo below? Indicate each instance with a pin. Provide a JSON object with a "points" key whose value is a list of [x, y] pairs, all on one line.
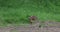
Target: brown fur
{"points": [[32, 19]]}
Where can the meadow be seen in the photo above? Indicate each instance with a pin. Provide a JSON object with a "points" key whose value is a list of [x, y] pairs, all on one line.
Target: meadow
{"points": [[18, 11]]}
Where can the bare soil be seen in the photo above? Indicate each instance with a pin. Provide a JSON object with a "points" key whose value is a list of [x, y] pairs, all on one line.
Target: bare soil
{"points": [[47, 26]]}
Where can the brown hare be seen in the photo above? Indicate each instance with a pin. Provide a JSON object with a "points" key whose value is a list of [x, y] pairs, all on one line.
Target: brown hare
{"points": [[32, 19]]}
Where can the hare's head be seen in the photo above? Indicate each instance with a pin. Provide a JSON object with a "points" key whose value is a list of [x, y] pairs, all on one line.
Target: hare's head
{"points": [[32, 19]]}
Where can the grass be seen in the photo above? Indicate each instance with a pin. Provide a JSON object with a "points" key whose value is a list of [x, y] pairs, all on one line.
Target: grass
{"points": [[19, 13]]}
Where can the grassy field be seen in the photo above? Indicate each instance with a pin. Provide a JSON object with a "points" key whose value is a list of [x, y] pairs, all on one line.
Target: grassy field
{"points": [[18, 11]]}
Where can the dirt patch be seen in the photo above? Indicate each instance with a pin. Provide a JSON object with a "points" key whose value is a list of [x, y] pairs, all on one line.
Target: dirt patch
{"points": [[48, 26]]}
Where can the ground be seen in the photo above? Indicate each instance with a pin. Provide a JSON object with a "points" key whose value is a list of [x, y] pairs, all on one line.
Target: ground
{"points": [[48, 26]]}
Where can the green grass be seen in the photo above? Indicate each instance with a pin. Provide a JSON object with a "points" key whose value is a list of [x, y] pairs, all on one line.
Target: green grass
{"points": [[18, 12]]}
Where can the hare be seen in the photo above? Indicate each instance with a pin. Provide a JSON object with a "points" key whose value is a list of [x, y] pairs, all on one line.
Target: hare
{"points": [[34, 21]]}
